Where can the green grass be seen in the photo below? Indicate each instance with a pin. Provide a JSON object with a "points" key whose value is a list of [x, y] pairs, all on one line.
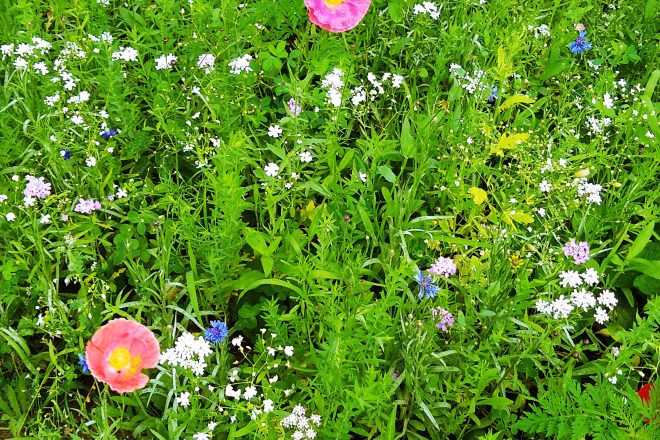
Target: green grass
{"points": [[323, 255]]}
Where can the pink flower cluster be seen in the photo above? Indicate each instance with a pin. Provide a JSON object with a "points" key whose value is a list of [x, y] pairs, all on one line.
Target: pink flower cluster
{"points": [[87, 206], [443, 267], [579, 251], [446, 319], [36, 187]]}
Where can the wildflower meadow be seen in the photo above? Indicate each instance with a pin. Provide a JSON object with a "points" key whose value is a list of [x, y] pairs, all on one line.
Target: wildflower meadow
{"points": [[329, 219]]}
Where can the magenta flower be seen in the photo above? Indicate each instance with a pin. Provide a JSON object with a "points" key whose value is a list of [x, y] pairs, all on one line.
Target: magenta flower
{"points": [[337, 15]]}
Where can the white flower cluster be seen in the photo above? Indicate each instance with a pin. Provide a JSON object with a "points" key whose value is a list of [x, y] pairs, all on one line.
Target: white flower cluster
{"points": [[25, 53], [540, 31], [166, 62], [473, 83], [189, 352], [334, 83], [240, 65], [303, 425], [427, 8], [589, 190], [206, 62], [125, 54], [580, 298], [596, 125], [359, 94]]}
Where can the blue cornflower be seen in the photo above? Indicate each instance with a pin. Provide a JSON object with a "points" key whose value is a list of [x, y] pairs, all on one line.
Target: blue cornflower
{"points": [[426, 287], [217, 333], [108, 134], [580, 44], [493, 95], [83, 363]]}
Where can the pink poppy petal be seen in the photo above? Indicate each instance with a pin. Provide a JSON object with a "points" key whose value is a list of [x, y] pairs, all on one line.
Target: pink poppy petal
{"points": [[338, 18]]}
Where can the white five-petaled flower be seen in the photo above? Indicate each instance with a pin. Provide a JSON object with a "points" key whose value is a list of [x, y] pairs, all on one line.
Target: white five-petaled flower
{"points": [[249, 392], [306, 157], [274, 131], [183, 399], [272, 169], [268, 405]]}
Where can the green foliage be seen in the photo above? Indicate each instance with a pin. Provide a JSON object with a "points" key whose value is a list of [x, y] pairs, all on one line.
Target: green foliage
{"points": [[567, 410], [306, 242]]}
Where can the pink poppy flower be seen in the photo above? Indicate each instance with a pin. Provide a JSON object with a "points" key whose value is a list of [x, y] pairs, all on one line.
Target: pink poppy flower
{"points": [[119, 351], [337, 15]]}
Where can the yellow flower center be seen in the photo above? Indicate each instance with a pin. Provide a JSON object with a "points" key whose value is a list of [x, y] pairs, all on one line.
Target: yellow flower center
{"points": [[334, 3], [121, 360]]}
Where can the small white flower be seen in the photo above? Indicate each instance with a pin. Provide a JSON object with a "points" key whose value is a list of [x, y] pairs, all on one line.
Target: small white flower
{"points": [[363, 177], [268, 405], [272, 169], [240, 65], [288, 350], [607, 101], [237, 341], [166, 62], [249, 392], [10, 216], [305, 157], [91, 161], [274, 131], [45, 219], [590, 276], [615, 351], [545, 186], [608, 299], [3, 198], [183, 399], [601, 315], [570, 278], [207, 62]]}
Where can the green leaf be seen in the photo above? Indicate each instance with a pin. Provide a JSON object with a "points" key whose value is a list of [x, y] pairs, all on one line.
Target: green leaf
{"points": [[427, 411], [257, 241], [640, 242], [395, 9], [497, 402], [407, 139], [516, 99], [387, 173], [647, 285], [267, 264], [478, 194], [648, 267], [192, 292]]}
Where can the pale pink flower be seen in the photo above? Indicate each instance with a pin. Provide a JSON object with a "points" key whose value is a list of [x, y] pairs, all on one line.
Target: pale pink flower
{"points": [[119, 351]]}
